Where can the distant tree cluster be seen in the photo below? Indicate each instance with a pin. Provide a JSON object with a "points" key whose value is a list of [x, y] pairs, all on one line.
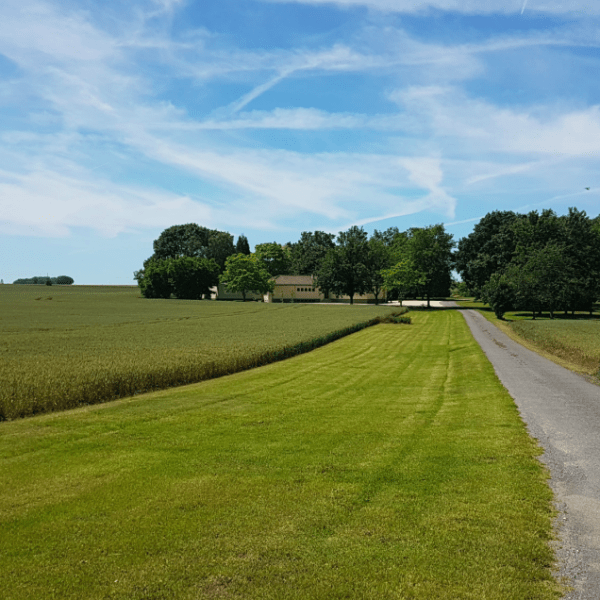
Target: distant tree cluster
{"points": [[535, 262], [45, 280], [189, 259]]}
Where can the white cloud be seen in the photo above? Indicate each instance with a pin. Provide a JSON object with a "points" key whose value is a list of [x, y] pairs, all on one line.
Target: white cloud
{"points": [[45, 203], [472, 7], [449, 114]]}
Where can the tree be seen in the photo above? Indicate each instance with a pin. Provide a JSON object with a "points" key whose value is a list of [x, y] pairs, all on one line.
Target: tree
{"points": [[499, 293], [195, 241], [242, 246], [345, 270], [153, 280], [220, 246], [245, 273], [582, 250], [308, 253], [402, 279], [192, 278], [181, 240], [488, 249], [274, 258], [429, 252], [64, 280], [379, 257]]}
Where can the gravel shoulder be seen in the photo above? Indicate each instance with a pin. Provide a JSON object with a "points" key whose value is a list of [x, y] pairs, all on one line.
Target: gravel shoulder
{"points": [[562, 410]]}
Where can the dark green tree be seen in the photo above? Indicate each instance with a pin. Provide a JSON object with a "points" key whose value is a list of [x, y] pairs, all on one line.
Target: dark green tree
{"points": [[429, 252], [242, 246], [153, 280], [220, 247], [499, 293], [64, 280], [379, 259], [191, 277], [345, 269], [488, 249], [195, 241], [308, 253]]}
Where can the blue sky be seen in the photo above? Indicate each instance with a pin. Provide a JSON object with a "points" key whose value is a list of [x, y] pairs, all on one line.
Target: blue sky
{"points": [[269, 118]]}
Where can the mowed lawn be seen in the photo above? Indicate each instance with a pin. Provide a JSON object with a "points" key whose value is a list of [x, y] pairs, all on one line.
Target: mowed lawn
{"points": [[389, 464]]}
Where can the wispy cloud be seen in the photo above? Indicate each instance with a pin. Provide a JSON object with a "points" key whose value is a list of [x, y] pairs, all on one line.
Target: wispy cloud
{"points": [[94, 98], [475, 7]]}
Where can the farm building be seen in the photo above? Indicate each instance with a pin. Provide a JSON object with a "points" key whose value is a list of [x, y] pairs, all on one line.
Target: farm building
{"points": [[302, 288], [293, 288]]}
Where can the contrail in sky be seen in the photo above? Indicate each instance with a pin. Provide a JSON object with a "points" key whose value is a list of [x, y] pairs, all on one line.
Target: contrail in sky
{"points": [[524, 5]]}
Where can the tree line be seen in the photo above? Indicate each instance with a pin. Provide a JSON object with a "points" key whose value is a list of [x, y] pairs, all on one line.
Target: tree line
{"points": [[45, 280], [535, 262], [189, 259]]}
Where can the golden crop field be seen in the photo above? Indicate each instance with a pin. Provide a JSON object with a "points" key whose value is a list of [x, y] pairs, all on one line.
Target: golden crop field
{"points": [[64, 346]]}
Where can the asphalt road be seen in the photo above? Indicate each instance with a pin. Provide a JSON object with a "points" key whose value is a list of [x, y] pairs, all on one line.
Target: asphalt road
{"points": [[562, 410]]}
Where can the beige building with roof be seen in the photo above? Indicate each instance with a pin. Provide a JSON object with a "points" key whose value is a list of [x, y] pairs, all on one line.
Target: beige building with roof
{"points": [[302, 288]]}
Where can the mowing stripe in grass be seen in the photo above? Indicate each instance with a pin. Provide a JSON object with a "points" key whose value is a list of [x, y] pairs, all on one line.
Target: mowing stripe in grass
{"points": [[390, 464]]}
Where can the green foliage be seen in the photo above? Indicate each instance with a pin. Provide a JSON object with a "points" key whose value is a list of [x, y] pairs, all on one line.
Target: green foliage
{"points": [[274, 258], [309, 252], [550, 262], [246, 274], [64, 280], [488, 249], [499, 293], [423, 263], [379, 259], [188, 278], [44, 280], [194, 241], [192, 278], [242, 246], [154, 280], [345, 268]]}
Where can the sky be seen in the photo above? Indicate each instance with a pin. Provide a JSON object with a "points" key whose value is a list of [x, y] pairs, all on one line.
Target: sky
{"points": [[272, 117]]}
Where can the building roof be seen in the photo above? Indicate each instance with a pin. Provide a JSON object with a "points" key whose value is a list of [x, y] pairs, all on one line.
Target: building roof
{"points": [[294, 280]]}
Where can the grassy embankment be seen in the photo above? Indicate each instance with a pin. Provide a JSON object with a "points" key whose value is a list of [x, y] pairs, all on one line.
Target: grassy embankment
{"points": [[572, 341], [62, 347], [390, 464]]}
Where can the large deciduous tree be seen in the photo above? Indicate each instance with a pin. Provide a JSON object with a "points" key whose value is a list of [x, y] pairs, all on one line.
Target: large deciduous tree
{"points": [[379, 259], [345, 268], [274, 258], [429, 252], [188, 278], [488, 249], [245, 273], [194, 241], [308, 253]]}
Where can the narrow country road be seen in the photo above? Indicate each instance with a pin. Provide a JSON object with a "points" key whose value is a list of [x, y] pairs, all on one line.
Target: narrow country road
{"points": [[561, 410]]}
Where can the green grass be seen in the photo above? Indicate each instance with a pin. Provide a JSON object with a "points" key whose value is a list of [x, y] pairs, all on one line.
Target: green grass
{"points": [[573, 341], [64, 346], [390, 464]]}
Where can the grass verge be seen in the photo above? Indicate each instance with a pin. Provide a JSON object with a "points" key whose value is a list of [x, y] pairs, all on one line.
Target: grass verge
{"points": [[390, 464]]}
